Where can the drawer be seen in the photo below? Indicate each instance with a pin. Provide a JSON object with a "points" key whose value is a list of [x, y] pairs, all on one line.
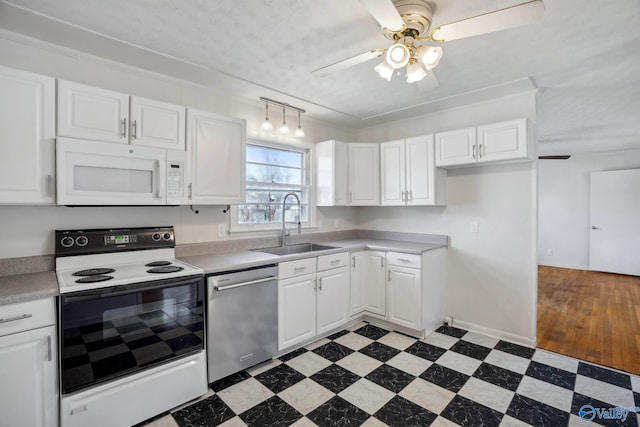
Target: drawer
{"points": [[325, 262], [404, 260], [28, 315], [296, 268]]}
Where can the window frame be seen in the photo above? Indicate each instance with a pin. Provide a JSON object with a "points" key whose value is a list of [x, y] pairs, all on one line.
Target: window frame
{"points": [[307, 149]]}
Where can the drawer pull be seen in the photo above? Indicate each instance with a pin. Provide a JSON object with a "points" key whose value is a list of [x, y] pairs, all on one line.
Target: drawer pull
{"points": [[13, 319], [299, 269], [404, 260], [335, 261]]}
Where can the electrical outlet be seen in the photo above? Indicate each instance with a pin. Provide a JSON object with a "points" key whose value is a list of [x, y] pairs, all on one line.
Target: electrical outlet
{"points": [[222, 230], [550, 252], [474, 226]]}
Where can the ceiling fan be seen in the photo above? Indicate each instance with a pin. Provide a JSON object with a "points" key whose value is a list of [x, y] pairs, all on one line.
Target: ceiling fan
{"points": [[407, 22]]}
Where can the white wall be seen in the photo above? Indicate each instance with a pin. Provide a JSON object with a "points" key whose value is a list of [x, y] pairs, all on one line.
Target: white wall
{"points": [[28, 230], [563, 194], [492, 275]]}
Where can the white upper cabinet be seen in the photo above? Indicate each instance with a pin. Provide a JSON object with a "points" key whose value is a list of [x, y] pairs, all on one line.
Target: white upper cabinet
{"points": [[92, 113], [408, 173], [364, 174], [96, 114], [217, 151], [497, 142], [27, 131], [332, 180], [157, 124]]}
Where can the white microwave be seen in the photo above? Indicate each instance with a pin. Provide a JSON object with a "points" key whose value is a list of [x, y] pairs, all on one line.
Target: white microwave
{"points": [[103, 173]]}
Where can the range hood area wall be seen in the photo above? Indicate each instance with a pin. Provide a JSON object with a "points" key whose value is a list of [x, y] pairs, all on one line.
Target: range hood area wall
{"points": [[491, 274]]}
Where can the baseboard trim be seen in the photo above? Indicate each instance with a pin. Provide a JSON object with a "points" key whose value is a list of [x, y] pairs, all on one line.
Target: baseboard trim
{"points": [[517, 339]]}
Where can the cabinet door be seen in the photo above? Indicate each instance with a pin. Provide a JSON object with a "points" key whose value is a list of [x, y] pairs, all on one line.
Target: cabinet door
{"points": [[376, 283], [332, 180], [217, 158], [92, 113], [358, 283], [157, 124], [456, 147], [27, 144], [332, 299], [296, 310], [404, 296], [420, 170], [502, 141], [28, 387], [392, 173], [364, 174]]}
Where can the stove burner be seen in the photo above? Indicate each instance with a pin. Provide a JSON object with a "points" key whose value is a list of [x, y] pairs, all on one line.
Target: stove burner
{"points": [[158, 263], [94, 279], [93, 272], [165, 269]]}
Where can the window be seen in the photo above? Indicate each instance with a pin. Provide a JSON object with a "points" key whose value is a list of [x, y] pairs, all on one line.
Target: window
{"points": [[272, 171]]}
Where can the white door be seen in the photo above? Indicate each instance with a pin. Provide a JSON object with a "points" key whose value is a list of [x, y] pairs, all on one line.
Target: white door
{"points": [[296, 310], [404, 296], [456, 147], [376, 288], [27, 131], [28, 387], [364, 174], [92, 113], [358, 282], [502, 141], [157, 124], [420, 170], [614, 245], [392, 173], [217, 161], [332, 299]]}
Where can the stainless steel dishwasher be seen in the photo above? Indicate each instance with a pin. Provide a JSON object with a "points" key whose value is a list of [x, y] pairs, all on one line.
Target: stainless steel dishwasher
{"points": [[242, 313]]}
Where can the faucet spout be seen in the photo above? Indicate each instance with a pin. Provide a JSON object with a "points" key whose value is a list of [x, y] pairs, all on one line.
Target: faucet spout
{"points": [[284, 204]]}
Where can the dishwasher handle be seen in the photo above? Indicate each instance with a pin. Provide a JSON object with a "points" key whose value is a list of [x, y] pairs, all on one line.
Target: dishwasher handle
{"points": [[239, 285]]}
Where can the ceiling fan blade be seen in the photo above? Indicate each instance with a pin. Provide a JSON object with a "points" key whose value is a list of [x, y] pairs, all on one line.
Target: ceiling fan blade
{"points": [[429, 82], [349, 62], [511, 17], [385, 13], [563, 157]]}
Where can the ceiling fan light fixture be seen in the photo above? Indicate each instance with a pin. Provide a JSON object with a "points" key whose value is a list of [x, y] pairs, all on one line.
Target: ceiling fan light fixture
{"points": [[398, 55], [415, 72], [385, 70], [266, 124], [429, 56]]}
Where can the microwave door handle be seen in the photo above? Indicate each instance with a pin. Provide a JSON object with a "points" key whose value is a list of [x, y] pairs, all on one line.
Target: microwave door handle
{"points": [[162, 179]]}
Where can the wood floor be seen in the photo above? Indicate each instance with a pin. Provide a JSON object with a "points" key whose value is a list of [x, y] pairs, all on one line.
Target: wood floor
{"points": [[590, 316]]}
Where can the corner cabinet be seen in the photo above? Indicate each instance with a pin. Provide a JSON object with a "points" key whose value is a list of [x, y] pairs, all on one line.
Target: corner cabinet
{"points": [[27, 144], [28, 378], [364, 174], [409, 175], [217, 148], [502, 142]]}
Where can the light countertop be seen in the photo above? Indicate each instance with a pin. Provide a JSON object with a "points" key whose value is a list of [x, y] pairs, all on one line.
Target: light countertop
{"points": [[27, 287]]}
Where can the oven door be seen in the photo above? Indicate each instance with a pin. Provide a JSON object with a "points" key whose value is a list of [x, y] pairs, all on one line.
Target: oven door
{"points": [[112, 332], [102, 173]]}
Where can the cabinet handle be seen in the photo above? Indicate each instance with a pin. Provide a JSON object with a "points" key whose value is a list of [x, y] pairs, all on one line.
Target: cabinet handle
{"points": [[320, 283], [49, 185], [295, 270], [389, 276], [473, 152], [315, 284], [189, 191], [404, 260], [353, 262], [123, 133], [335, 261], [350, 196], [13, 319], [134, 129], [403, 196], [49, 355], [480, 150], [381, 262]]}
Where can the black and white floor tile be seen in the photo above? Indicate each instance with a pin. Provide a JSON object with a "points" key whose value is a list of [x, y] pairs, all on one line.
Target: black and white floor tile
{"points": [[370, 376]]}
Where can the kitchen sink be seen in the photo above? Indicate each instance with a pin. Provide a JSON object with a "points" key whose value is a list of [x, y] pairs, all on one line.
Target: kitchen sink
{"points": [[295, 249]]}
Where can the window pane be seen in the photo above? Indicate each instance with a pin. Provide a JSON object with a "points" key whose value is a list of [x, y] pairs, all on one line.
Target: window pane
{"points": [[280, 175], [274, 156], [269, 213]]}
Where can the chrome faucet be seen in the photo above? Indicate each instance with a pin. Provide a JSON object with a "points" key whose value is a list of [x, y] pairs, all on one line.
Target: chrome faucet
{"points": [[285, 232]]}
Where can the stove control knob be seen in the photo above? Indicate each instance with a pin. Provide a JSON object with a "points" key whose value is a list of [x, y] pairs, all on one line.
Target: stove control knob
{"points": [[156, 236], [67, 241], [166, 236], [82, 240]]}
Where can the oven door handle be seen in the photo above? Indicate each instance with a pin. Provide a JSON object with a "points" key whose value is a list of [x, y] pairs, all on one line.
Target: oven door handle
{"points": [[249, 283], [114, 291]]}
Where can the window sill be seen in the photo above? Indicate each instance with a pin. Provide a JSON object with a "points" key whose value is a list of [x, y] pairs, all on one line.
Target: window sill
{"points": [[264, 231]]}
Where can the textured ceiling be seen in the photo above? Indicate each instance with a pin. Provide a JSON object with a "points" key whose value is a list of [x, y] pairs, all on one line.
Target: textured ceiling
{"points": [[582, 54]]}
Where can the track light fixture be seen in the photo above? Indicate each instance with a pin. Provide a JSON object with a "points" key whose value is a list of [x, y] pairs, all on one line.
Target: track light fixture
{"points": [[284, 129]]}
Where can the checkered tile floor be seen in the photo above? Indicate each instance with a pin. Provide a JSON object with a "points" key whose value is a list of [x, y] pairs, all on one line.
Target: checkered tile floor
{"points": [[373, 377]]}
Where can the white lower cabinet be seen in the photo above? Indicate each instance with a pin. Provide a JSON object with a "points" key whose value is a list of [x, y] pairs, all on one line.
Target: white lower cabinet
{"points": [[376, 286], [311, 303], [28, 377], [404, 296]]}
